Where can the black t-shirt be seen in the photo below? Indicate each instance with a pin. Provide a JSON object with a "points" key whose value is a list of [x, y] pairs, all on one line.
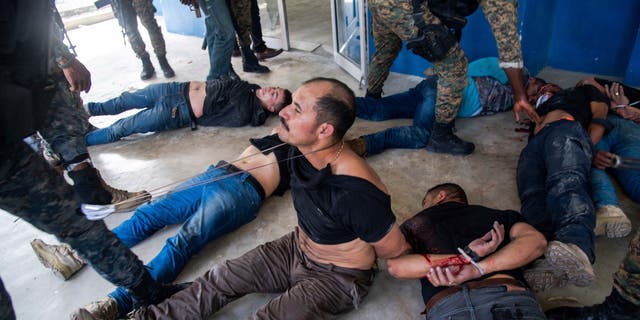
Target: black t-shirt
{"points": [[231, 103], [444, 228], [273, 144], [575, 101], [334, 209]]}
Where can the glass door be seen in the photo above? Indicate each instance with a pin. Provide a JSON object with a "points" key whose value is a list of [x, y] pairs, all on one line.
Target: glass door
{"points": [[273, 18], [350, 46]]}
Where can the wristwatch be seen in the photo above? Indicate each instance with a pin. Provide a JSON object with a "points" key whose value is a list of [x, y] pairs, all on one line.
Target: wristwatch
{"points": [[474, 256]]}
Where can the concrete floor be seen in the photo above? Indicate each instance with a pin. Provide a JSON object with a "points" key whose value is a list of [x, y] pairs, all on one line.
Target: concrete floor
{"points": [[155, 160]]}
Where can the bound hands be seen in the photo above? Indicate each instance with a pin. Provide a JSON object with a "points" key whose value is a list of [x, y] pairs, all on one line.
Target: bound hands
{"points": [[455, 275], [77, 75], [602, 159], [620, 103]]}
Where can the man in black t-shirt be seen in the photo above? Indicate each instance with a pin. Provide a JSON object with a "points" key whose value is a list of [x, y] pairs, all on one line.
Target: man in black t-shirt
{"points": [[324, 267], [491, 286], [553, 185]]}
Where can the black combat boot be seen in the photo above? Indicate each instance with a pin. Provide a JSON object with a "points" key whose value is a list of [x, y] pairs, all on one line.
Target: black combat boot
{"points": [[88, 186], [166, 68], [375, 95], [250, 62], [444, 141], [150, 291], [614, 307], [147, 68]]}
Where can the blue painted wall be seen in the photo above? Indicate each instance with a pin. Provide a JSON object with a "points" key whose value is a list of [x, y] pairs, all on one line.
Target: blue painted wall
{"points": [[592, 36]]}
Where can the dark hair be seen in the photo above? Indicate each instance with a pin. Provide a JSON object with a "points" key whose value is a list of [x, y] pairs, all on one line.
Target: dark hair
{"points": [[454, 192], [287, 101], [336, 107]]}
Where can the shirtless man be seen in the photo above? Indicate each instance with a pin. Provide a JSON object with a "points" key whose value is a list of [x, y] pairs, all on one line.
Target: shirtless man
{"points": [[324, 267], [209, 205], [174, 105], [553, 184]]}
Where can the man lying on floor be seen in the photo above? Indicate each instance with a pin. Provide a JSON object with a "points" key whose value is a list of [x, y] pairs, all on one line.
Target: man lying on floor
{"points": [[490, 287], [174, 105]]}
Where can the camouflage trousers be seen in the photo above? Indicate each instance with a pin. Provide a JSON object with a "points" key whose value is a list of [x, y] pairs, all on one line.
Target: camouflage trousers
{"points": [[391, 24], [627, 279], [241, 12], [67, 124], [32, 190], [127, 13]]}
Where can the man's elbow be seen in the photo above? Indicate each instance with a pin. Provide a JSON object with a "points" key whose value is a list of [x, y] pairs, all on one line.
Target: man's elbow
{"points": [[394, 268], [540, 244]]}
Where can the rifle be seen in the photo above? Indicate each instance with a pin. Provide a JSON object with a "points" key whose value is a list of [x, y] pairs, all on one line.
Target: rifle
{"points": [[117, 9]]}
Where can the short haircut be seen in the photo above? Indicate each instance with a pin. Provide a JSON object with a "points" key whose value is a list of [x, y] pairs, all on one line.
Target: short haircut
{"points": [[453, 191], [337, 107], [287, 101]]}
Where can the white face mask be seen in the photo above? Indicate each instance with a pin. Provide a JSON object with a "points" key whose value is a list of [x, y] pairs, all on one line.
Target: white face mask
{"points": [[543, 98]]}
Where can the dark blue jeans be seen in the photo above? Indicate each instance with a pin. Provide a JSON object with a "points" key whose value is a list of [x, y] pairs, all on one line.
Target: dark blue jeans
{"points": [[553, 184], [165, 108], [487, 303], [220, 36], [623, 140], [417, 103], [207, 210]]}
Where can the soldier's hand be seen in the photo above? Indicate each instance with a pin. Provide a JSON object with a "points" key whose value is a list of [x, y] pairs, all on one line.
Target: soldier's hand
{"points": [[522, 105], [78, 76]]}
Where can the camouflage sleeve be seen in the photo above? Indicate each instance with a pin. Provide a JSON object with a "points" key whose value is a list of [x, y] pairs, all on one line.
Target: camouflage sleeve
{"points": [[503, 18]]}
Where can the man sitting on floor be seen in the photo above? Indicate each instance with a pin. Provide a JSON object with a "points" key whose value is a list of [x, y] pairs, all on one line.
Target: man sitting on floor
{"points": [[325, 266], [174, 105], [209, 205], [490, 287]]}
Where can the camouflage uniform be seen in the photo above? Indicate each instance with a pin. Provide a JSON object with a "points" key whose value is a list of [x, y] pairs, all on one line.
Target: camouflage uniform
{"points": [[127, 14], [241, 11], [627, 279], [392, 23], [32, 190]]}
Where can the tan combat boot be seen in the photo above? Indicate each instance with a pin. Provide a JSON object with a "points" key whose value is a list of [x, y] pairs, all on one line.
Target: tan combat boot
{"points": [[122, 199], [105, 309], [61, 259]]}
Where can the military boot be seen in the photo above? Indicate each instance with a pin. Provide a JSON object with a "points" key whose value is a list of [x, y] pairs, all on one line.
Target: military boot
{"points": [[250, 62], [122, 199], [614, 307], [444, 141], [166, 68], [61, 259], [612, 222], [105, 309], [147, 68], [358, 145]]}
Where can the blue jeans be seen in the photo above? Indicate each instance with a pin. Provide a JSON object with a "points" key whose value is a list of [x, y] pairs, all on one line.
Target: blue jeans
{"points": [[553, 184], [165, 109], [623, 140], [208, 209], [220, 36], [417, 103], [487, 303]]}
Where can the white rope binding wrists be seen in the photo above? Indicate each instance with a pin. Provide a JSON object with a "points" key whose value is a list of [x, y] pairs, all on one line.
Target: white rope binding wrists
{"points": [[475, 264]]}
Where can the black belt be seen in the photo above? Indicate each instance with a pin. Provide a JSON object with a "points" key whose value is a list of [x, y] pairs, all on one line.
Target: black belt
{"points": [[250, 179]]}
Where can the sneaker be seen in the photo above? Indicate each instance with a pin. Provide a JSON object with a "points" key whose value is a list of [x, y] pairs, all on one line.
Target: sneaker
{"points": [[612, 222], [105, 309], [570, 259], [543, 276], [61, 259]]}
